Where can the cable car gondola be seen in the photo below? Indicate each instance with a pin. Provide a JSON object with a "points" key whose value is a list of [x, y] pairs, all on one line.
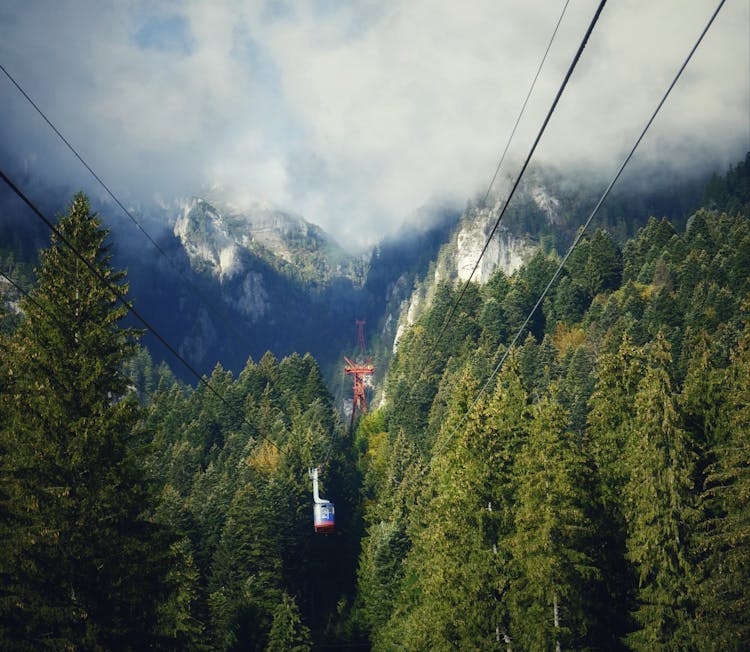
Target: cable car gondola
{"points": [[323, 511]]}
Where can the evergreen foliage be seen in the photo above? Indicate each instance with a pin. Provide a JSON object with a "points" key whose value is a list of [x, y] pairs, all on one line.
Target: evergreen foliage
{"points": [[554, 564], [236, 488], [724, 593], [288, 633], [597, 499], [593, 496], [658, 498], [82, 565]]}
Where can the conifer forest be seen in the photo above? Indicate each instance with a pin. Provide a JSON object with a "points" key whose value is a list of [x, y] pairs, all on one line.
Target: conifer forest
{"points": [[584, 487]]}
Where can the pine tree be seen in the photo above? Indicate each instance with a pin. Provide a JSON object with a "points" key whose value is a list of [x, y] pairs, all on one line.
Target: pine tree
{"points": [[288, 632], [657, 505], [391, 474], [578, 386], [611, 412], [179, 622], [246, 570], [81, 565], [724, 594], [603, 269], [380, 571], [505, 434], [449, 557], [570, 301], [460, 531], [554, 565]]}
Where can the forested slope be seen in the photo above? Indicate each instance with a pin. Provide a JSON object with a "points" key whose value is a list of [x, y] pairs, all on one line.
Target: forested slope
{"points": [[139, 513], [234, 487], [594, 494]]}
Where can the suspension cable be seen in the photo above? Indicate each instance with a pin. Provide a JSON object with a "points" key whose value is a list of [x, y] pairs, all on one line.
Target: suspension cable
{"points": [[119, 296], [190, 285], [580, 233]]}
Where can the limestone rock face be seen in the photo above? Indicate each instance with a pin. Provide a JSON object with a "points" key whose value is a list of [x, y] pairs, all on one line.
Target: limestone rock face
{"points": [[505, 250]]}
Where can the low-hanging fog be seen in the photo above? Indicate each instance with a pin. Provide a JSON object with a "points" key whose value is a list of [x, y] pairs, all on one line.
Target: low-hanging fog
{"points": [[355, 114]]}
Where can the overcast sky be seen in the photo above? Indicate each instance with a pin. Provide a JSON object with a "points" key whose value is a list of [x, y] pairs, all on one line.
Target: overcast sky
{"points": [[356, 114]]}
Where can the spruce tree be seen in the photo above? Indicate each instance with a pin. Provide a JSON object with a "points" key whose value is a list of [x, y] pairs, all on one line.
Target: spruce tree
{"points": [[506, 433], [455, 588], [603, 269], [81, 566], [724, 593], [288, 632], [611, 413], [246, 570], [450, 558], [657, 506], [554, 564], [393, 476]]}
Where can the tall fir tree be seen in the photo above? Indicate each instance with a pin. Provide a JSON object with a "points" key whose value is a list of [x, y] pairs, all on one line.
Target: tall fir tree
{"points": [[448, 551], [462, 528], [554, 564], [288, 632], [657, 504], [724, 593], [81, 566], [610, 416], [505, 433]]}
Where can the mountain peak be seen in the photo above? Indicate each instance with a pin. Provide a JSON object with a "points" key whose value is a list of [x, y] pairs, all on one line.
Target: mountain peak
{"points": [[218, 232]]}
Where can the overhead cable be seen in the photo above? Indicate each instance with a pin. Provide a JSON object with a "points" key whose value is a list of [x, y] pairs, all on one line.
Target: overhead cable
{"points": [[25, 293], [521, 112], [552, 108], [119, 296], [581, 231], [572, 66], [117, 201]]}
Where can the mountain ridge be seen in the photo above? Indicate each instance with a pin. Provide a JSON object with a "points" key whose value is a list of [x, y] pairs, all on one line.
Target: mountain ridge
{"points": [[277, 282]]}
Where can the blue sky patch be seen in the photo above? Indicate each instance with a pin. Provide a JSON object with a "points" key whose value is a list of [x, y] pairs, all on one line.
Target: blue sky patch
{"points": [[165, 33]]}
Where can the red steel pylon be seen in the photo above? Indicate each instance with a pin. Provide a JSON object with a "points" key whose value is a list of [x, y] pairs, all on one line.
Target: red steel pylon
{"points": [[358, 370]]}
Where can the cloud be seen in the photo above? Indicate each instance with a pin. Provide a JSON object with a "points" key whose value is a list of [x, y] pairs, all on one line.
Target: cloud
{"points": [[355, 114]]}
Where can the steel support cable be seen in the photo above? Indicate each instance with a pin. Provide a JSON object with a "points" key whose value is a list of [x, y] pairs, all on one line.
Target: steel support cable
{"points": [[117, 201], [564, 83], [117, 293], [158, 247], [547, 118], [23, 292], [30, 298], [523, 109], [28, 295], [581, 232]]}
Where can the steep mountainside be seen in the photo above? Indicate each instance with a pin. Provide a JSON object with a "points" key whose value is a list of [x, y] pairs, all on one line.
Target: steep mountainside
{"points": [[239, 281], [587, 486], [216, 234], [242, 279], [544, 214], [258, 279]]}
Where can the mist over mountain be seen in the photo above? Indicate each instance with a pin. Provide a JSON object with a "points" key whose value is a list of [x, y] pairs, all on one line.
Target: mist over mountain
{"points": [[640, 349], [534, 455], [242, 278], [252, 280], [347, 113], [237, 281]]}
